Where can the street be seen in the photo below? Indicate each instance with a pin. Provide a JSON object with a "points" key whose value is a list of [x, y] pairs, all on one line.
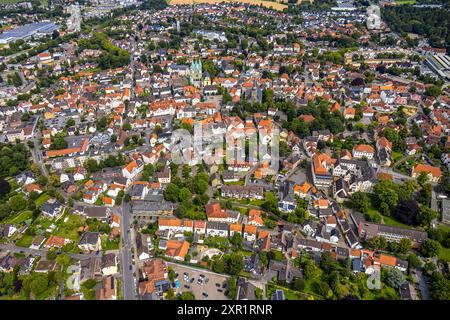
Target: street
{"points": [[128, 281]]}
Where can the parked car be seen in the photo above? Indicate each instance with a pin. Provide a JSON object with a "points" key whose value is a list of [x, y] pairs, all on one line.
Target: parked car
{"points": [[205, 294]]}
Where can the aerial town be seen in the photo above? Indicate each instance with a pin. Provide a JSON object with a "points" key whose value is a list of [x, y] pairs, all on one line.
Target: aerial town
{"points": [[224, 150]]}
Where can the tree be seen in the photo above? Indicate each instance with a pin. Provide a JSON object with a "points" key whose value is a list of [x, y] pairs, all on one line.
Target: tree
{"points": [[39, 283], [413, 261], [232, 287], [430, 248], [405, 245], [395, 278], [5, 187], [200, 186], [426, 216], [171, 192], [17, 203], [184, 194], [360, 201], [299, 284], [186, 295], [433, 91], [377, 243], [58, 144], [51, 255], [234, 263], [236, 240], [440, 287], [407, 212], [63, 260]]}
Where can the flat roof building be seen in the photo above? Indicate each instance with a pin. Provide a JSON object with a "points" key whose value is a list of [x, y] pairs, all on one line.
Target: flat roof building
{"points": [[25, 32]]}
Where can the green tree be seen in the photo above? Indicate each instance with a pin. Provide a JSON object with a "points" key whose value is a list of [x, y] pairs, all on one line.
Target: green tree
{"points": [[186, 295], [413, 261], [395, 278], [17, 203], [405, 245], [430, 248], [63, 260], [360, 201]]}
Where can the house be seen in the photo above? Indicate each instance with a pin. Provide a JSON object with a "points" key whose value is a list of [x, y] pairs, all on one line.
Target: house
{"points": [[250, 232], [132, 169], [384, 149], [51, 208], [108, 290], [155, 274], [245, 290], [434, 174], [37, 242], [8, 230], [46, 266], [109, 264], [177, 250], [142, 246], [164, 176], [363, 150], [216, 214], [8, 262], [254, 218], [90, 241], [56, 242], [286, 271], [217, 229]]}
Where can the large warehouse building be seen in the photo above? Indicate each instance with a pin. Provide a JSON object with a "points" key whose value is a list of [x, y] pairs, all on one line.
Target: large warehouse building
{"points": [[25, 32]]}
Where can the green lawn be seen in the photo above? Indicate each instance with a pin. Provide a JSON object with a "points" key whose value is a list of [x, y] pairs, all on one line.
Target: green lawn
{"points": [[392, 222], [42, 199], [25, 241], [444, 254], [396, 156], [110, 244], [69, 229], [406, 1], [21, 217]]}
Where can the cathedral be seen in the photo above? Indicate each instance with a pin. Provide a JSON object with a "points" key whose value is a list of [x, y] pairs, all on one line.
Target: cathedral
{"points": [[196, 73]]}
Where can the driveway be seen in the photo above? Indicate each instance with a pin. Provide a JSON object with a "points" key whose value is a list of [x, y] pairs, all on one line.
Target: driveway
{"points": [[422, 280]]}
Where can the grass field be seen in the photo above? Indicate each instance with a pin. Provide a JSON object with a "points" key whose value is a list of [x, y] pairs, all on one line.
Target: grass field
{"points": [[444, 254], [21, 217], [42, 199], [10, 1], [406, 1], [25, 241], [267, 4]]}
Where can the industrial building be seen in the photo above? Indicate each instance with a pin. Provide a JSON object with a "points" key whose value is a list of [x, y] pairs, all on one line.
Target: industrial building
{"points": [[27, 31]]}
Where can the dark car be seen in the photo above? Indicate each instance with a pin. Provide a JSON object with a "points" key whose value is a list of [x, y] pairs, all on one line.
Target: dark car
{"points": [[131, 267], [205, 294], [192, 280], [218, 285], [224, 285], [226, 292], [187, 287], [219, 290]]}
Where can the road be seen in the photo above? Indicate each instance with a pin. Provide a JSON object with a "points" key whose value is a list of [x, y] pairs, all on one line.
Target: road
{"points": [[128, 280], [36, 152], [420, 278]]}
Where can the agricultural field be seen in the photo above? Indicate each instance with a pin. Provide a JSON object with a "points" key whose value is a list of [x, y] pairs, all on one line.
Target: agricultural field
{"points": [[267, 4]]}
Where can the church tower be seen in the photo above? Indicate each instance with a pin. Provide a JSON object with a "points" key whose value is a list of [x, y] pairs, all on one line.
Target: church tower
{"points": [[196, 73]]}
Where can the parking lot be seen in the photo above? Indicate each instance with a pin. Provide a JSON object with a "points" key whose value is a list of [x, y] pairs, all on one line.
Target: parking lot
{"points": [[211, 285]]}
